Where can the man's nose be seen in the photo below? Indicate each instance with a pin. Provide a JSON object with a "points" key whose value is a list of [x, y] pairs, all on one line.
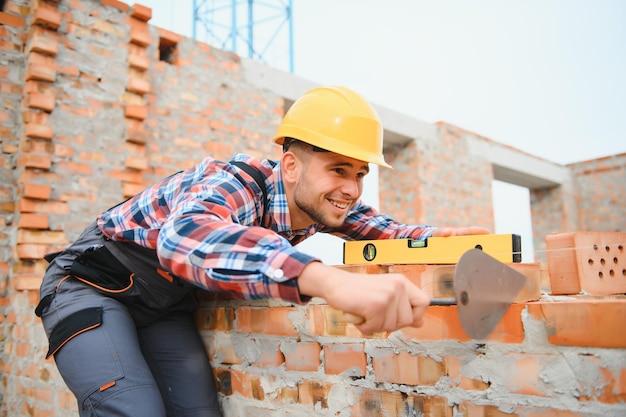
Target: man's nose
{"points": [[351, 188]]}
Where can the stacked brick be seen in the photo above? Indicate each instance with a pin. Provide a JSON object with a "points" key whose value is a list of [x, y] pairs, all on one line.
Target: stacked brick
{"points": [[12, 28], [97, 104], [292, 360], [544, 358], [137, 89], [600, 186], [34, 161], [30, 42]]}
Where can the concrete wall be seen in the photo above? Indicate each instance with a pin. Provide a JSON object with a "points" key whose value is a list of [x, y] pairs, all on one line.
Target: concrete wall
{"points": [[97, 104]]}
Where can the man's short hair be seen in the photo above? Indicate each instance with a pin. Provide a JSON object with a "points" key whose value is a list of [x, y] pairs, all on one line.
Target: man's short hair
{"points": [[288, 142]]}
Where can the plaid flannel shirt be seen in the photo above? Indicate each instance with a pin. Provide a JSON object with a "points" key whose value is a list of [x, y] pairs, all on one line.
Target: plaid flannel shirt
{"points": [[204, 224]]}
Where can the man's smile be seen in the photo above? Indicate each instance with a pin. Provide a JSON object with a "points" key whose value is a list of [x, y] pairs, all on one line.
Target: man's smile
{"points": [[341, 205]]}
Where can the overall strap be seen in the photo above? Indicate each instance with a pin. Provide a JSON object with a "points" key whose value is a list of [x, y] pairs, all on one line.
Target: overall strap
{"points": [[258, 178]]}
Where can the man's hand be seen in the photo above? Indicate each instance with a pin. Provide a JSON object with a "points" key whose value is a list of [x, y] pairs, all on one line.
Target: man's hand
{"points": [[460, 231], [385, 302]]}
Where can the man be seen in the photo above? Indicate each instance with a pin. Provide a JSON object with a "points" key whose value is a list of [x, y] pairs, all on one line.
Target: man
{"points": [[117, 304]]}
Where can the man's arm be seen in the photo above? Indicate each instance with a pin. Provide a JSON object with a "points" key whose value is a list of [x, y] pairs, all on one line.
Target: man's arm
{"points": [[365, 222], [386, 302], [460, 231]]}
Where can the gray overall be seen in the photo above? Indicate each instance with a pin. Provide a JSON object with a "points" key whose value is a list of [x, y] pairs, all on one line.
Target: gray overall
{"points": [[122, 333]]}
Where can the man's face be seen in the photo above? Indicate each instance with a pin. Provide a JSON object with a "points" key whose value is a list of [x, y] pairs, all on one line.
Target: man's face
{"points": [[328, 186]]}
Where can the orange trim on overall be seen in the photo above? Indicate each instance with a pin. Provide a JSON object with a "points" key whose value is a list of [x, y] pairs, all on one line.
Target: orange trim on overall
{"points": [[165, 275], [61, 281], [107, 289], [107, 386], [73, 336]]}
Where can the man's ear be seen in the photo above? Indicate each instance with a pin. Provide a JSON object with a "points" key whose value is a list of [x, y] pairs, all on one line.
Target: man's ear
{"points": [[290, 165]]}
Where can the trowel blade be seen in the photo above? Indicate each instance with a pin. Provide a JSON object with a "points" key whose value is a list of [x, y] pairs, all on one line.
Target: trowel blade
{"points": [[484, 287]]}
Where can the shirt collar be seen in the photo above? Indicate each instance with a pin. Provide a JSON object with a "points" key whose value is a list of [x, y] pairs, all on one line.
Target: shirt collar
{"points": [[279, 209]]}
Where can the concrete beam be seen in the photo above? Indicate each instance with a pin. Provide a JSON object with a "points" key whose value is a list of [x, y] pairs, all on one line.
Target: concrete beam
{"points": [[516, 167]]}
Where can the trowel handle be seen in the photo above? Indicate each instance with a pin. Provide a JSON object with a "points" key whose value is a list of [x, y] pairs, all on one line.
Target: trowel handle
{"points": [[443, 301], [354, 319]]}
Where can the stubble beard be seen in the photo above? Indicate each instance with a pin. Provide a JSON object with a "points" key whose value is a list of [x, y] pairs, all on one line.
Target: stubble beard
{"points": [[314, 211]]}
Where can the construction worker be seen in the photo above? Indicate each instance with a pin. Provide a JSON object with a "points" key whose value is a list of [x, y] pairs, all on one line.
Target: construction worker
{"points": [[117, 305]]}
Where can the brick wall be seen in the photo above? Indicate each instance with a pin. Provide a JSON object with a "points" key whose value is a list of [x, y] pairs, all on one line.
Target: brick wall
{"points": [[600, 190], [96, 104], [590, 200]]}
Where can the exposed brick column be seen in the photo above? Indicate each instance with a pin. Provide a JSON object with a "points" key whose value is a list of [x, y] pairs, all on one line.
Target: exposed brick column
{"points": [[135, 106], [12, 28], [34, 152]]}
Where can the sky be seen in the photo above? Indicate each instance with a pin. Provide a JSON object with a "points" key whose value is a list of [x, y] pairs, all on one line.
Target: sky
{"points": [[547, 77]]}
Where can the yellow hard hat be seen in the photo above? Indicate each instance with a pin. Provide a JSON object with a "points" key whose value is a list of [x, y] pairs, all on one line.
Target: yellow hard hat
{"points": [[338, 120]]}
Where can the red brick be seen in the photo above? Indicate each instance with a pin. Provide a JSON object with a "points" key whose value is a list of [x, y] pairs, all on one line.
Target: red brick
{"points": [[141, 12], [222, 349], [36, 130], [137, 135], [468, 409], [42, 72], [36, 206], [35, 116], [287, 395], [11, 20], [26, 282], [130, 189], [442, 323], [134, 111], [34, 161], [74, 168], [139, 33], [598, 322], [47, 16], [525, 374], [169, 37], [37, 267], [138, 163], [452, 366], [31, 251], [345, 357], [41, 101], [138, 61], [133, 177], [374, 403], [37, 191], [314, 393], [302, 356], [218, 318], [43, 41], [42, 237], [7, 207], [271, 320], [138, 85], [593, 262], [269, 353], [405, 368], [230, 381]]}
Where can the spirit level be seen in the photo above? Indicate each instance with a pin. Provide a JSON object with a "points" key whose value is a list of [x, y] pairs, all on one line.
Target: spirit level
{"points": [[433, 250]]}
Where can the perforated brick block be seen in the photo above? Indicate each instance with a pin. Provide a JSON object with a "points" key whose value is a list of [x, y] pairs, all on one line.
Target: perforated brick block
{"points": [[589, 262]]}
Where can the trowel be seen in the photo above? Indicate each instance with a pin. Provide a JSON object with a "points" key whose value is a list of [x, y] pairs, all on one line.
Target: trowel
{"points": [[484, 288]]}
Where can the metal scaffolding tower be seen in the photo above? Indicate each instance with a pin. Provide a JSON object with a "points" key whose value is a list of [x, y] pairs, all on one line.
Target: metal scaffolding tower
{"points": [[262, 30]]}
